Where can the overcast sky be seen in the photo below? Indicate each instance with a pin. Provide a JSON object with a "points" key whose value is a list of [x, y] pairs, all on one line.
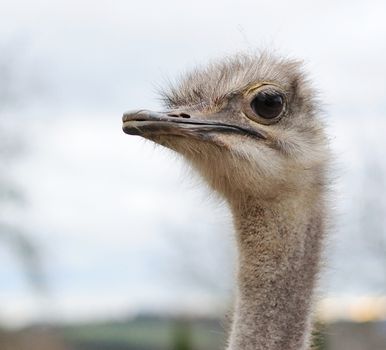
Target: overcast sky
{"points": [[112, 213]]}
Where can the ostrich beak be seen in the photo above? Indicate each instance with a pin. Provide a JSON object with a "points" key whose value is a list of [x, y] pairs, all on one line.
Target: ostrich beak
{"points": [[147, 123]]}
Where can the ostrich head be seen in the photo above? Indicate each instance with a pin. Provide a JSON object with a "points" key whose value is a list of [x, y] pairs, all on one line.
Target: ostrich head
{"points": [[248, 124]]}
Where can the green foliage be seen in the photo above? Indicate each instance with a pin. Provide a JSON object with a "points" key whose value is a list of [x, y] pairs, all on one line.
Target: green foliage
{"points": [[182, 336], [150, 333], [319, 337]]}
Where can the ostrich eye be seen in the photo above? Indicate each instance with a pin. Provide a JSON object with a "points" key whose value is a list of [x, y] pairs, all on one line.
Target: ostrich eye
{"points": [[267, 105]]}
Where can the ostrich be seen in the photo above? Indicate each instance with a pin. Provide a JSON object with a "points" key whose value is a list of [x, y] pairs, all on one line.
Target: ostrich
{"points": [[250, 126]]}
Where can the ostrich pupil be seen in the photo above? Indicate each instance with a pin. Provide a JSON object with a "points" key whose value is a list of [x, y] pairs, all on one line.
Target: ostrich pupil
{"points": [[267, 105]]}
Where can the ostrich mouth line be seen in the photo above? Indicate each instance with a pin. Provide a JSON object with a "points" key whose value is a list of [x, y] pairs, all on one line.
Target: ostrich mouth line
{"points": [[142, 122]]}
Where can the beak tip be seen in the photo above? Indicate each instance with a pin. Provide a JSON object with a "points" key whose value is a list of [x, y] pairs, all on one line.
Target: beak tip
{"points": [[134, 114]]}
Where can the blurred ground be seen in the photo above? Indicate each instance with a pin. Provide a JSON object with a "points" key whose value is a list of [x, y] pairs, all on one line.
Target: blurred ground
{"points": [[165, 333]]}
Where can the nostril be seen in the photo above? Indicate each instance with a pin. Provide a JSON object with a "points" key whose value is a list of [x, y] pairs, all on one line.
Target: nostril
{"points": [[179, 115]]}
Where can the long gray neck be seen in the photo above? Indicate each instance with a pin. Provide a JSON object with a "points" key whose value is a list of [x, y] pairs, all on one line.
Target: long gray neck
{"points": [[279, 246]]}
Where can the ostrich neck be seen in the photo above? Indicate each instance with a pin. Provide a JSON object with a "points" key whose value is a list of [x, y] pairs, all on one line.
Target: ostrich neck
{"points": [[279, 246]]}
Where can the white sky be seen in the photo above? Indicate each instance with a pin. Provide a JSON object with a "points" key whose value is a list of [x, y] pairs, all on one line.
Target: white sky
{"points": [[107, 209]]}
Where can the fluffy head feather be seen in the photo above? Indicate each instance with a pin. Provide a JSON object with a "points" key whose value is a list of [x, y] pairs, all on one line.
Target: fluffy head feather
{"points": [[294, 154]]}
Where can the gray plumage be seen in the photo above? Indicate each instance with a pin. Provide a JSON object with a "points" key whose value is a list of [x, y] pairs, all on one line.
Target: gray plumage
{"points": [[251, 127]]}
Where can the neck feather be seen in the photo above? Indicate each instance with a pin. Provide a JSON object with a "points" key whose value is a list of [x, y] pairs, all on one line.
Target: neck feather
{"points": [[279, 246]]}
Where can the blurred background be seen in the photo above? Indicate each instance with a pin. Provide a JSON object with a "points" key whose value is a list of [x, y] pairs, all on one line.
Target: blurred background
{"points": [[97, 242]]}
